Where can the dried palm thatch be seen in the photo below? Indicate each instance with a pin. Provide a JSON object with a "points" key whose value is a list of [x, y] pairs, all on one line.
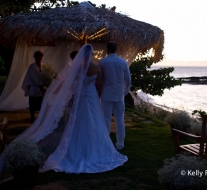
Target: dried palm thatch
{"points": [[81, 23]]}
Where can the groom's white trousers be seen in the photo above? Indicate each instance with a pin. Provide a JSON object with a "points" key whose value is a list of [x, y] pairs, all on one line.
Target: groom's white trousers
{"points": [[118, 108]]}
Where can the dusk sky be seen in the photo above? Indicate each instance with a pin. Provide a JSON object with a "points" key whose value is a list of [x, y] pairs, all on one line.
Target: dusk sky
{"points": [[184, 23]]}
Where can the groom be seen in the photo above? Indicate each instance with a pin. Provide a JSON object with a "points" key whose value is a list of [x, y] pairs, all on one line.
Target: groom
{"points": [[116, 84]]}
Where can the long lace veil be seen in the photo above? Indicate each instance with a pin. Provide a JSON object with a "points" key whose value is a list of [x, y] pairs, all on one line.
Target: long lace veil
{"points": [[54, 124]]}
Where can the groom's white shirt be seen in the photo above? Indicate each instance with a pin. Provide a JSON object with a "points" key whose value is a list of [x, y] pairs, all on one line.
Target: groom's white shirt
{"points": [[116, 78]]}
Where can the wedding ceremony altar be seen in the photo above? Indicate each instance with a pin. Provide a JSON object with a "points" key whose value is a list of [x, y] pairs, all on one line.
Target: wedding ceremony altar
{"points": [[59, 31]]}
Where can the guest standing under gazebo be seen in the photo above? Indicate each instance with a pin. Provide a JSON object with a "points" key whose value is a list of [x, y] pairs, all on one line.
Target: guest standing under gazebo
{"points": [[32, 85]]}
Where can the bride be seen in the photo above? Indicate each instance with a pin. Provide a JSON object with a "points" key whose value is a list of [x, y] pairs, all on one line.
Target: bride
{"points": [[70, 128]]}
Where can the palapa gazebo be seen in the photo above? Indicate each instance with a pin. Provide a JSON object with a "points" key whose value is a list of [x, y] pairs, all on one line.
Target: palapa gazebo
{"points": [[59, 31]]}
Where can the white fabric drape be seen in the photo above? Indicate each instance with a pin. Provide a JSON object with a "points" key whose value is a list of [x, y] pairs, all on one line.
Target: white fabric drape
{"points": [[12, 97], [66, 87]]}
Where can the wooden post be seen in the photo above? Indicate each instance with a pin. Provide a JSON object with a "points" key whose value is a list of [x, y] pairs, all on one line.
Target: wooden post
{"points": [[203, 134], [83, 41], [176, 139]]}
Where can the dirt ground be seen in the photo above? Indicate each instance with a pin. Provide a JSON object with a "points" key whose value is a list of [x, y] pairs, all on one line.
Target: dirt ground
{"points": [[20, 120]]}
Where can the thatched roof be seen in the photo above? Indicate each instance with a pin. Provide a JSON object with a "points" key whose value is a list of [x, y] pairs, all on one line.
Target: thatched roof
{"points": [[81, 23]]}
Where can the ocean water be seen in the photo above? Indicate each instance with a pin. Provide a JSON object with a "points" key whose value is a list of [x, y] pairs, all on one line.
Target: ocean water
{"points": [[186, 97]]}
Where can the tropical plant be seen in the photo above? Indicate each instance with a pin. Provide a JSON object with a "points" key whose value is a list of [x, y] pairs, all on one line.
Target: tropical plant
{"points": [[22, 152], [48, 4], [15, 6], [199, 113], [8, 8], [151, 81]]}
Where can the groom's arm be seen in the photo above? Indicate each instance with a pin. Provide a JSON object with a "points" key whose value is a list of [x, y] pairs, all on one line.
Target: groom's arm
{"points": [[99, 81], [127, 77]]}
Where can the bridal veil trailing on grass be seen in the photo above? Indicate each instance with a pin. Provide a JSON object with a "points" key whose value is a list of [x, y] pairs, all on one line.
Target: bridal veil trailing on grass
{"points": [[70, 128]]}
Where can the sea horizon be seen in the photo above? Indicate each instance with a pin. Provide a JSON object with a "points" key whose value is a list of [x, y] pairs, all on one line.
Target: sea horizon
{"points": [[187, 97], [173, 63]]}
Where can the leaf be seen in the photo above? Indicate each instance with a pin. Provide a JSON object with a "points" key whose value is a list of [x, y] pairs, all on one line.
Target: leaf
{"points": [[151, 81]]}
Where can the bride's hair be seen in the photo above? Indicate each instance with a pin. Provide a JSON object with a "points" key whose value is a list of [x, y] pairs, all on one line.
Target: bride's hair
{"points": [[73, 54], [87, 54]]}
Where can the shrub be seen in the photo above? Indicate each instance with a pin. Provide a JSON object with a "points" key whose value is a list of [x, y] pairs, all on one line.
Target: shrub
{"points": [[177, 172], [22, 152], [195, 127], [151, 110], [179, 120]]}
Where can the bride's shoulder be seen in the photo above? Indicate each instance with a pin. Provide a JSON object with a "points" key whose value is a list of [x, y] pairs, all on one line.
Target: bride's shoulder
{"points": [[93, 69]]}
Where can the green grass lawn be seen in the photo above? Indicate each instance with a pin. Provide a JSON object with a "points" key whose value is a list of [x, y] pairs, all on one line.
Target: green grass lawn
{"points": [[148, 142]]}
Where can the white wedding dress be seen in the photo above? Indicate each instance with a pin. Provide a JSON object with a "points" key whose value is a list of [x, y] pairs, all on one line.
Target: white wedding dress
{"points": [[90, 149], [70, 128]]}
